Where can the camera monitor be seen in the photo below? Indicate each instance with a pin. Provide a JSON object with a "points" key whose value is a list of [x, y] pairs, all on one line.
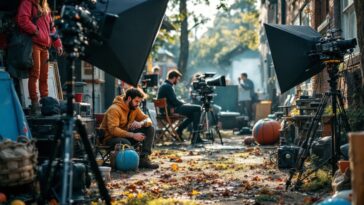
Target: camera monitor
{"points": [[150, 80]]}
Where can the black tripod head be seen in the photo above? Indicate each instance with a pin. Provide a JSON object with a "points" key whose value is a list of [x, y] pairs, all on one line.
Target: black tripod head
{"points": [[206, 100]]}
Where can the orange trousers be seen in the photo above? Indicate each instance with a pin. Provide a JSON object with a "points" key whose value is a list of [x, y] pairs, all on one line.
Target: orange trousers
{"points": [[39, 72]]}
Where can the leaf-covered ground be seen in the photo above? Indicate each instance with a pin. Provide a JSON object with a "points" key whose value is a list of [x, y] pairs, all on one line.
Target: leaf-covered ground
{"points": [[213, 174]]}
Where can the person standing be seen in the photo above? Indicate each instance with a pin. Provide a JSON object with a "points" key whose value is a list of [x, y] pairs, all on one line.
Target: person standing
{"points": [[34, 18], [248, 85]]}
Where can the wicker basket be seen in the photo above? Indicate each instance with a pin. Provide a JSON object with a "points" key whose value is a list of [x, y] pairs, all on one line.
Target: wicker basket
{"points": [[18, 162]]}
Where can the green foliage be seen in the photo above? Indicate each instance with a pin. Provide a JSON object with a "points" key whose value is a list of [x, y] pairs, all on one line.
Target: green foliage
{"points": [[321, 179], [169, 39], [356, 117], [235, 27], [165, 39]]}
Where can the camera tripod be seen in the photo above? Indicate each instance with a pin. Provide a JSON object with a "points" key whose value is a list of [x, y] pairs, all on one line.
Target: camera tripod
{"points": [[69, 124], [73, 41], [337, 103], [205, 126]]}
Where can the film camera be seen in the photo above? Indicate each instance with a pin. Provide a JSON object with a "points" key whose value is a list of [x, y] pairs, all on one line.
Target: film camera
{"points": [[203, 85], [332, 45]]}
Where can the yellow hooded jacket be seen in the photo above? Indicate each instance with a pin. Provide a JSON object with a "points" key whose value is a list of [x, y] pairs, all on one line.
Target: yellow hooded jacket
{"points": [[118, 118]]}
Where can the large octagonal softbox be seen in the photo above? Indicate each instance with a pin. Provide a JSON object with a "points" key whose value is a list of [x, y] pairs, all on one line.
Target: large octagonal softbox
{"points": [[291, 48], [129, 39]]}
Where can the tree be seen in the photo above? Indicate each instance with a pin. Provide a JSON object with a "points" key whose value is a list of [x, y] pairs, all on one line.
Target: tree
{"points": [[185, 45], [181, 23], [234, 29]]}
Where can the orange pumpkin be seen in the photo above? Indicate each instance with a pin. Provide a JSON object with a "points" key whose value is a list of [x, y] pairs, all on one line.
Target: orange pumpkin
{"points": [[53, 202], [2, 198], [266, 131], [17, 202]]}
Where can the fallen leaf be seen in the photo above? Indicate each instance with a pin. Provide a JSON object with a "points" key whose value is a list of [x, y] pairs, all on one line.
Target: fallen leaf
{"points": [[140, 195], [174, 167], [194, 192], [130, 196], [256, 178]]}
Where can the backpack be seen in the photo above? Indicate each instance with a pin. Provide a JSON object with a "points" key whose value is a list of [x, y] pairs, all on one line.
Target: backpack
{"points": [[50, 106], [19, 54]]}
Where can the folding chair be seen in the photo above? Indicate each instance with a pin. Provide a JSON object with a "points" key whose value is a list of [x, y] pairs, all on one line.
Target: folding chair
{"points": [[167, 122], [103, 151]]}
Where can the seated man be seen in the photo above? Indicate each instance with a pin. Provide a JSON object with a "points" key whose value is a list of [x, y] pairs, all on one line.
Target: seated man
{"points": [[191, 111], [125, 123]]}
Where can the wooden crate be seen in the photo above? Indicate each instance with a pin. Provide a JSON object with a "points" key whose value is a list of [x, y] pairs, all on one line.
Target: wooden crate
{"points": [[263, 109]]}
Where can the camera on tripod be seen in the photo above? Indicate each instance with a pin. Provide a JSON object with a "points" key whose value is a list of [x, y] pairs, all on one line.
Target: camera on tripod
{"points": [[305, 50], [204, 85], [333, 46]]}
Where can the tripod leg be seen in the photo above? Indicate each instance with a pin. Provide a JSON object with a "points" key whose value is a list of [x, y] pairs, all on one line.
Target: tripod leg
{"points": [[100, 182], [208, 133], [200, 128], [214, 121], [306, 144], [49, 174], [67, 175], [343, 114]]}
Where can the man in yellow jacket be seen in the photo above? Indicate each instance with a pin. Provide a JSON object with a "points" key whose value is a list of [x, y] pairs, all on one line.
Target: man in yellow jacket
{"points": [[125, 123]]}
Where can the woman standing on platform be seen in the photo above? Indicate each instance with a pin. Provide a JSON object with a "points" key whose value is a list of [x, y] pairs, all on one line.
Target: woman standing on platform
{"points": [[35, 19]]}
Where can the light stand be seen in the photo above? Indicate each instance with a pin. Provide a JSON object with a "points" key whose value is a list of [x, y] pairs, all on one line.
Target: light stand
{"points": [[337, 103]]}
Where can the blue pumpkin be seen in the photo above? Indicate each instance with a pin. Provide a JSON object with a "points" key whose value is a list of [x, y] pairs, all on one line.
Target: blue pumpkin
{"points": [[127, 160], [335, 201]]}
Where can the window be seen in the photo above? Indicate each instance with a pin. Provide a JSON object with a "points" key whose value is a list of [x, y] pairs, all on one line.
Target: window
{"points": [[348, 21]]}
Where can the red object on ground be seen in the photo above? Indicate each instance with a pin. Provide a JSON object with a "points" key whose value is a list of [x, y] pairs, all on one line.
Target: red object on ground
{"points": [[78, 97], [3, 40], [266, 131], [2, 198], [343, 165], [99, 117]]}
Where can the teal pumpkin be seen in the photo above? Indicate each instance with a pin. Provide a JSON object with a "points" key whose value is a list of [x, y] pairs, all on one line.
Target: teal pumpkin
{"points": [[335, 201], [127, 160]]}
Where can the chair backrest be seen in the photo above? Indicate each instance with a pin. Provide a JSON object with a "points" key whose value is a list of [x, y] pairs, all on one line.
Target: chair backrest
{"points": [[99, 117], [160, 104]]}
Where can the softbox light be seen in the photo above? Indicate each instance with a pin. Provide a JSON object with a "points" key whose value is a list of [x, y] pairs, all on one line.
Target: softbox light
{"points": [[129, 39], [291, 48], [11, 6]]}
